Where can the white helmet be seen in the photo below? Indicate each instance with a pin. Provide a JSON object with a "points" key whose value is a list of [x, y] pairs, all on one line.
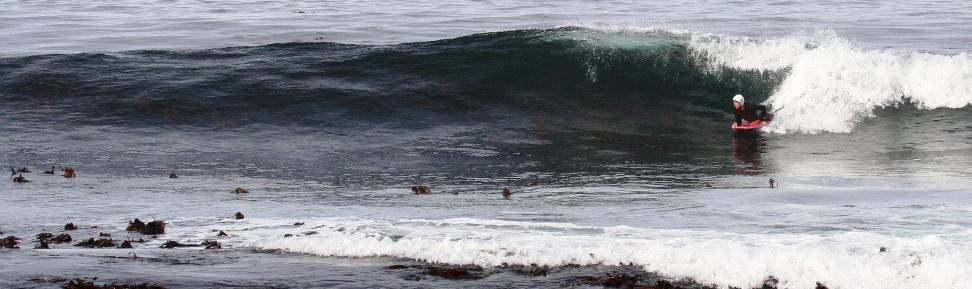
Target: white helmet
{"points": [[739, 98]]}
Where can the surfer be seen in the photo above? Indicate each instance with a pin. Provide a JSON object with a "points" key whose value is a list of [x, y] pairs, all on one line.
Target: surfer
{"points": [[748, 111]]}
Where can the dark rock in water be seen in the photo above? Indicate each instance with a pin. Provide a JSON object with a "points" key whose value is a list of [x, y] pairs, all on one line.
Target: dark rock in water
{"points": [[100, 243], [238, 215], [421, 190], [154, 227], [662, 284], [10, 242], [414, 277], [135, 225], [622, 280], [396, 267], [211, 244], [50, 172], [457, 271], [70, 226], [507, 193], [42, 244], [69, 172], [533, 270], [20, 179], [44, 236], [172, 175], [85, 284], [299, 224], [770, 283], [821, 286], [172, 244], [239, 190], [104, 235], [288, 235], [882, 250], [222, 234], [125, 245]]}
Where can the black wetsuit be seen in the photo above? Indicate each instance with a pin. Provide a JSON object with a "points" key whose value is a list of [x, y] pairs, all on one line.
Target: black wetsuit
{"points": [[750, 112]]}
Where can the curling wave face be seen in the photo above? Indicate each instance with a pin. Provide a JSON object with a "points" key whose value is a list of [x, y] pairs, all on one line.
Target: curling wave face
{"points": [[637, 80]]}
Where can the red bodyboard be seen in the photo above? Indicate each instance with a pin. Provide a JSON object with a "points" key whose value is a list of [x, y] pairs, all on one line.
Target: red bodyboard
{"points": [[749, 125]]}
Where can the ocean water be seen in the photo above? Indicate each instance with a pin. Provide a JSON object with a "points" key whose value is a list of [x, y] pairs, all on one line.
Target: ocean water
{"points": [[608, 121]]}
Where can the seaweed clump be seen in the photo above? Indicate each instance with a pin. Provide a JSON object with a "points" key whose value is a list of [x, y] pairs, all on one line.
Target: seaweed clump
{"points": [[100, 243]]}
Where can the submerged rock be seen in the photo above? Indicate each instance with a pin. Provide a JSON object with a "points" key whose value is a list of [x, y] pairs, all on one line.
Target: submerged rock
{"points": [[532, 270], [622, 280], [85, 284], [172, 244], [211, 244], [457, 271], [421, 190]]}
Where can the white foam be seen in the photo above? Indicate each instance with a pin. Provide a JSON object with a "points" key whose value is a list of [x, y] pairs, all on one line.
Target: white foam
{"points": [[848, 260], [832, 85]]}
